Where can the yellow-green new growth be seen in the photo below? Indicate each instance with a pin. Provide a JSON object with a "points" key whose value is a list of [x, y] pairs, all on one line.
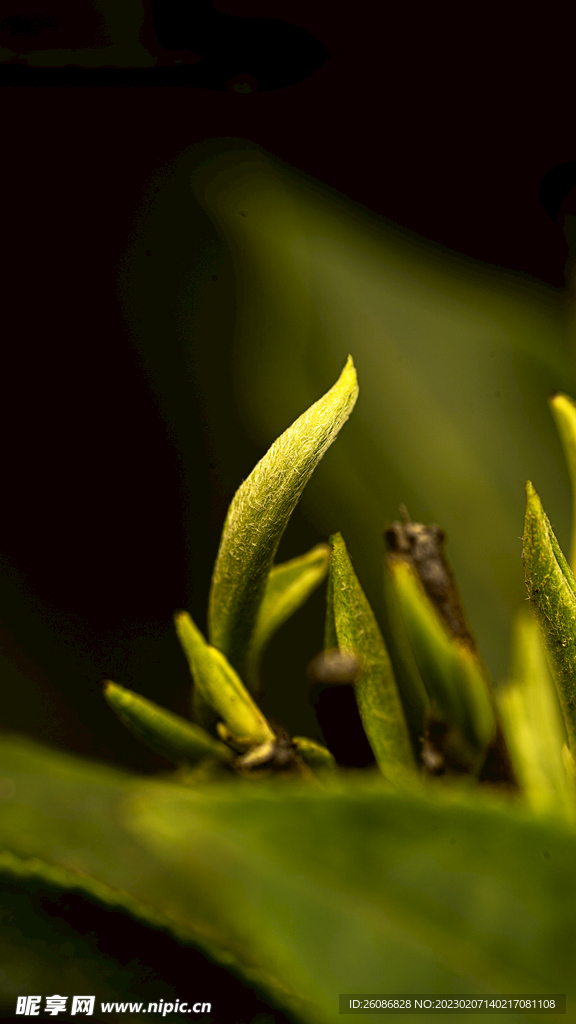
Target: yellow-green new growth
{"points": [[259, 513], [221, 689]]}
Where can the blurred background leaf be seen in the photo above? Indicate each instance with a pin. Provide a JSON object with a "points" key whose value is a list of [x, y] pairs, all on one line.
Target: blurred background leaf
{"points": [[455, 363], [458, 359]]}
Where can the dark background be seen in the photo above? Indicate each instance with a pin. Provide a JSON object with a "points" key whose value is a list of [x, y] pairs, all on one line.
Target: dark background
{"points": [[449, 126], [446, 123]]}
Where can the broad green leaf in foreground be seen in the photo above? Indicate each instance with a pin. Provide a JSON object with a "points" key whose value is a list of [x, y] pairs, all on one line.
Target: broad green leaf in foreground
{"points": [[40, 941], [288, 586], [259, 513], [564, 411], [551, 590], [221, 689], [165, 732], [533, 724], [354, 887], [351, 619]]}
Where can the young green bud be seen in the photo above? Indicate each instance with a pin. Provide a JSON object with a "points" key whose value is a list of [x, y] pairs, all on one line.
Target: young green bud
{"points": [[415, 700], [449, 667], [564, 411], [317, 757], [165, 732], [221, 689], [259, 514], [288, 586]]}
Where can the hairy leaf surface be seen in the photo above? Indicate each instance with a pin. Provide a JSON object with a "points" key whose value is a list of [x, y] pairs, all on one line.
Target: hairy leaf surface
{"points": [[259, 514]]}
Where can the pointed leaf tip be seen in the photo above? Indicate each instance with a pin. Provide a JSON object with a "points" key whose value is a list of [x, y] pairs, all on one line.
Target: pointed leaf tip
{"points": [[221, 688], [563, 410], [259, 514], [167, 733]]}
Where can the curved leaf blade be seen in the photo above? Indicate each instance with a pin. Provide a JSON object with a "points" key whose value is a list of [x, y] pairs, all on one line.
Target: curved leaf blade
{"points": [[357, 632], [564, 412], [259, 514], [288, 586]]}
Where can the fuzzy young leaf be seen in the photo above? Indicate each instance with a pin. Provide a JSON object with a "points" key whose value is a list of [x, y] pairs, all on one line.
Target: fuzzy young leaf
{"points": [[358, 633], [288, 586], [551, 588], [259, 513], [564, 411], [168, 734], [448, 666], [533, 723], [221, 689]]}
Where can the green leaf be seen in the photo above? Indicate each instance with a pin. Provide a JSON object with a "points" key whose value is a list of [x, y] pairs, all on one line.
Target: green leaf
{"points": [[259, 514], [533, 724], [449, 669], [288, 586], [39, 943], [165, 732], [551, 590], [221, 689], [564, 411], [415, 700], [330, 633], [315, 890], [61, 827], [358, 632]]}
